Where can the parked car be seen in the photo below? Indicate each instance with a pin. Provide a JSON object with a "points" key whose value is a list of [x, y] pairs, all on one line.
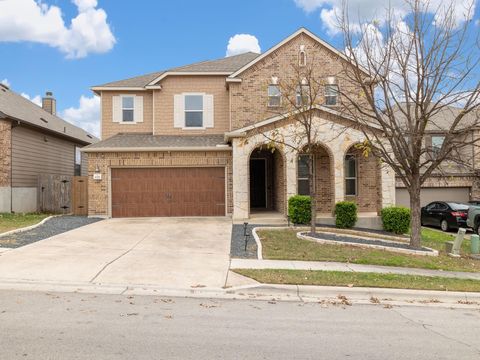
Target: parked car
{"points": [[473, 218], [446, 215]]}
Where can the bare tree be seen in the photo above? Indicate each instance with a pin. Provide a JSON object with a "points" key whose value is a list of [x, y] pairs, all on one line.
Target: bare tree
{"points": [[421, 68], [295, 97]]}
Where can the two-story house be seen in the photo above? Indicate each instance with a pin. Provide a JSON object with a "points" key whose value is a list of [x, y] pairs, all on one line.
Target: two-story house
{"points": [[457, 178], [188, 141]]}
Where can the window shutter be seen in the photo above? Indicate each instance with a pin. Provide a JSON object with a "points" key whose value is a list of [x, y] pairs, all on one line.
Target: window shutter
{"points": [[138, 109], [116, 109], [178, 111], [208, 108]]}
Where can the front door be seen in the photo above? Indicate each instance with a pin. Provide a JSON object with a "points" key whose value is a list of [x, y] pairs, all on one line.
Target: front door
{"points": [[258, 183]]}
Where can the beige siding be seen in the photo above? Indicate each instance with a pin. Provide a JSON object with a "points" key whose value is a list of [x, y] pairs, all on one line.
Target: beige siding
{"points": [[109, 128], [35, 153], [171, 85]]}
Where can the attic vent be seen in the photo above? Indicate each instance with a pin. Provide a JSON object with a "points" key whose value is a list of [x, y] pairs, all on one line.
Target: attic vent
{"points": [[64, 129], [45, 121], [4, 87], [89, 136]]}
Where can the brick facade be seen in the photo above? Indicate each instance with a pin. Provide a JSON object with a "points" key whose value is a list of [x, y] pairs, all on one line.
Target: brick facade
{"points": [[249, 98], [5, 153], [98, 189]]}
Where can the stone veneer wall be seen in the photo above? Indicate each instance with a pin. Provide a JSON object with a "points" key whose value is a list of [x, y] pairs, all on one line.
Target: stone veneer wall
{"points": [[5, 153], [98, 204]]}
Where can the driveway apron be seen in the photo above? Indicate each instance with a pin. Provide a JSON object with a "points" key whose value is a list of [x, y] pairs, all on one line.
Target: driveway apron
{"points": [[167, 252]]}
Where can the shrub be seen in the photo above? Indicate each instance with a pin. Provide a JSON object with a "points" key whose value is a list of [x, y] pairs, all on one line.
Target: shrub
{"points": [[345, 214], [396, 219], [299, 209]]}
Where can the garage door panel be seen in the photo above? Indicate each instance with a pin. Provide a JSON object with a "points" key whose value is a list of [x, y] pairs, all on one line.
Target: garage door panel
{"points": [[168, 192], [427, 195]]}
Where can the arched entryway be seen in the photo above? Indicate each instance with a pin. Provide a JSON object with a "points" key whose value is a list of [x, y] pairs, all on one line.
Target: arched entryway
{"points": [[362, 180], [267, 180], [324, 178]]}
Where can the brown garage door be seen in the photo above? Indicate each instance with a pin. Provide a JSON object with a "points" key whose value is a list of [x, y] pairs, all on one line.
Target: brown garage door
{"points": [[145, 192]]}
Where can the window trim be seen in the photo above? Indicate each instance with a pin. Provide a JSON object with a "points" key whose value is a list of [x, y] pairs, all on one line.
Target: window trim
{"points": [[304, 62], [303, 178], [271, 96], [355, 178], [436, 149], [185, 127], [336, 96], [122, 108]]}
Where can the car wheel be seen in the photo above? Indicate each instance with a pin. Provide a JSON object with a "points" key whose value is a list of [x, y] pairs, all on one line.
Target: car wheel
{"points": [[444, 225]]}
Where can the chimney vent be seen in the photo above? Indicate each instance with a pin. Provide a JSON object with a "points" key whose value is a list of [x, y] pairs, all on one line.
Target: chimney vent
{"points": [[49, 103]]}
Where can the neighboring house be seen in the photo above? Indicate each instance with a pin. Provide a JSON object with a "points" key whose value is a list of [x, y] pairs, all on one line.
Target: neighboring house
{"points": [[34, 141], [187, 141], [455, 180]]}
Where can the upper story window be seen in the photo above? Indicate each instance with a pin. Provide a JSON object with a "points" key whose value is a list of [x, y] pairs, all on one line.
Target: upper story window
{"points": [[437, 143], [193, 111], [128, 108], [331, 94], [274, 96], [303, 94], [350, 175]]}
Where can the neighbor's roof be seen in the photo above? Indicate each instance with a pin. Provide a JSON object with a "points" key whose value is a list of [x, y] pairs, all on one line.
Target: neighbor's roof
{"points": [[16, 107], [149, 142], [225, 65], [442, 120]]}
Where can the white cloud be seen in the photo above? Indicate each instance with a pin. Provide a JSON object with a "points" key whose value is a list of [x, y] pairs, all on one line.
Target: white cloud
{"points": [[37, 99], [5, 82], [242, 43], [366, 11], [477, 22], [86, 115], [30, 20]]}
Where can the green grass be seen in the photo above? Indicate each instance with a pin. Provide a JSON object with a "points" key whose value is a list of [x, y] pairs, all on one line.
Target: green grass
{"points": [[339, 278], [284, 245], [16, 221]]}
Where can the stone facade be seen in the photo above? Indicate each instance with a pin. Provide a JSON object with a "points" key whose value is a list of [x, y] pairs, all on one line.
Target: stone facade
{"points": [[5, 153], [376, 190], [99, 201]]}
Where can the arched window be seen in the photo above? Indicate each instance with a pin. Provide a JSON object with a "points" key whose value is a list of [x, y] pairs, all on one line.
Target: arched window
{"points": [[302, 58], [350, 175]]}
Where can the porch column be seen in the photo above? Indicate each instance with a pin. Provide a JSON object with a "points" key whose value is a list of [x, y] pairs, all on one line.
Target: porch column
{"points": [[338, 171], [291, 173], [388, 186], [240, 180]]}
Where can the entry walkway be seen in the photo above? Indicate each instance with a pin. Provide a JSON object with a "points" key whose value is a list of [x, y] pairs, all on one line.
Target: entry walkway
{"points": [[337, 266]]}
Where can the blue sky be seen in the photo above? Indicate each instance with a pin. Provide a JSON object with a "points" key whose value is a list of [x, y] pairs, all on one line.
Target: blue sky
{"points": [[137, 37]]}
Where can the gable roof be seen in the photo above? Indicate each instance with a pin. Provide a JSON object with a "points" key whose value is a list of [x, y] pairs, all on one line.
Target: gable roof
{"points": [[16, 107], [223, 66], [286, 40]]}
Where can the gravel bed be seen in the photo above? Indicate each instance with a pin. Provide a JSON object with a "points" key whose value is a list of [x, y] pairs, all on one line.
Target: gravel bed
{"points": [[237, 245], [51, 227], [359, 240]]}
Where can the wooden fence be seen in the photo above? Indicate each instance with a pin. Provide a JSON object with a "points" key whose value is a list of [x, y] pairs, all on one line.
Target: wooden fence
{"points": [[61, 194]]}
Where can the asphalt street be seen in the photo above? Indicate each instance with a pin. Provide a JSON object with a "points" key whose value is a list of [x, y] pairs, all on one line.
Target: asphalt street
{"points": [[39, 325]]}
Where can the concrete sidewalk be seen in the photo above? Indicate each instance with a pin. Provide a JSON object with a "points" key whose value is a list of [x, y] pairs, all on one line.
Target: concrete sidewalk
{"points": [[337, 266]]}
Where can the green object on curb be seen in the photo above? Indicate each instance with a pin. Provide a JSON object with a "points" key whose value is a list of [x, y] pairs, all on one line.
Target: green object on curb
{"points": [[475, 244]]}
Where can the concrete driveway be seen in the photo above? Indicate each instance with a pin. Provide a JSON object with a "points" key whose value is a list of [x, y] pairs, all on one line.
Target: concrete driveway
{"points": [[166, 252]]}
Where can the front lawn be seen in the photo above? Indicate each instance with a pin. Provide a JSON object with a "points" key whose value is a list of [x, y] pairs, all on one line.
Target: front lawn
{"points": [[353, 279], [284, 245], [16, 221]]}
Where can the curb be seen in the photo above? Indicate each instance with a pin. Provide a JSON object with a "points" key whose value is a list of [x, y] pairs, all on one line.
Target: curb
{"points": [[15, 231], [325, 295]]}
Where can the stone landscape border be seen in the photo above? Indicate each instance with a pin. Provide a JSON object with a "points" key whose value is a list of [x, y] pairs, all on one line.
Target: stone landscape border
{"points": [[26, 228], [426, 252]]}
